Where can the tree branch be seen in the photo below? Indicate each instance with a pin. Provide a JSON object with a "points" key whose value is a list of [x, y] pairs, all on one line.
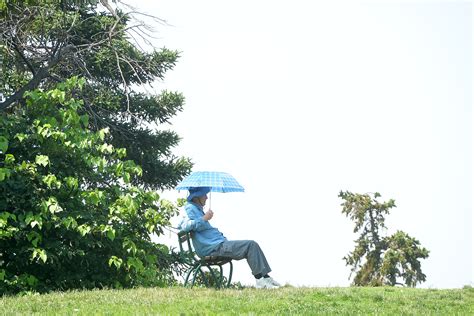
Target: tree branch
{"points": [[42, 73]]}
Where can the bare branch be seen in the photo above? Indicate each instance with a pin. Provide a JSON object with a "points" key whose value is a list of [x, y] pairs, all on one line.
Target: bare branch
{"points": [[125, 85], [106, 4], [42, 73], [27, 62]]}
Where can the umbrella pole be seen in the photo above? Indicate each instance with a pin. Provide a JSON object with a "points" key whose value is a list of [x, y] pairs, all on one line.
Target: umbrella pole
{"points": [[210, 200]]}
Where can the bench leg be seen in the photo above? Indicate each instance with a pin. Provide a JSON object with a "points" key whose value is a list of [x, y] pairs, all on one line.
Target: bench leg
{"points": [[217, 280], [221, 276], [191, 270], [214, 278], [229, 279], [197, 270]]}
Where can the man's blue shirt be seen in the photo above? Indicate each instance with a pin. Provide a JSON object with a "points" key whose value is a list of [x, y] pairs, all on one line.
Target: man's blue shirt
{"points": [[206, 238]]}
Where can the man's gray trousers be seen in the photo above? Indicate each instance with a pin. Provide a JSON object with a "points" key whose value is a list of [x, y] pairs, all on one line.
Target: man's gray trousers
{"points": [[248, 249]]}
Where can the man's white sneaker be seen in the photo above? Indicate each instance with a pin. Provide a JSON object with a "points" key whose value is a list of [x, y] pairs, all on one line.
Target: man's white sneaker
{"points": [[272, 281], [265, 283]]}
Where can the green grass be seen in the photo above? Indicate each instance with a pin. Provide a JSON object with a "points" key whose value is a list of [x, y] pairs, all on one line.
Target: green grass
{"points": [[287, 300]]}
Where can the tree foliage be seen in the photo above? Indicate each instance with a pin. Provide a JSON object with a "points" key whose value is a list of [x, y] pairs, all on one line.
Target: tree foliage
{"points": [[79, 157], [70, 215], [48, 41], [380, 260]]}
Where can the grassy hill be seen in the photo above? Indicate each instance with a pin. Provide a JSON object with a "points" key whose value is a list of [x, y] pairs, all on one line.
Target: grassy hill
{"points": [[287, 300]]}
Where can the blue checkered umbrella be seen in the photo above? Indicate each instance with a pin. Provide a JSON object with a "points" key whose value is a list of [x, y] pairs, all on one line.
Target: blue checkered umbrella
{"points": [[217, 181]]}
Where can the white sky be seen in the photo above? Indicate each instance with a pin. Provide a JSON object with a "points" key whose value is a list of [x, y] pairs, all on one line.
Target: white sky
{"points": [[301, 99]]}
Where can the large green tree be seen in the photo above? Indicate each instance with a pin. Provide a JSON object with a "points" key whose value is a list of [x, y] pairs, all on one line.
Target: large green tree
{"points": [[378, 259], [81, 159], [43, 42]]}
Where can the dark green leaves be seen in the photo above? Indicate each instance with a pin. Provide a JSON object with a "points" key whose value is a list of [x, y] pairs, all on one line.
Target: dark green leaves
{"points": [[3, 144]]}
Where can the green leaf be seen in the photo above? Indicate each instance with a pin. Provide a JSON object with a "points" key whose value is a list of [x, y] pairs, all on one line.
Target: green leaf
{"points": [[34, 220], [129, 246], [102, 133], [6, 215], [58, 95], [134, 262], [2, 274], [9, 159], [72, 183], [121, 152], [117, 262], [41, 253], [43, 256], [69, 222], [110, 231], [105, 148], [83, 229], [31, 279], [4, 173], [150, 227], [34, 237], [42, 160], [138, 170], [51, 205], [21, 137], [180, 202], [29, 217], [45, 130], [3, 144], [85, 120], [111, 234], [126, 177], [100, 162], [50, 180], [119, 169], [94, 197]]}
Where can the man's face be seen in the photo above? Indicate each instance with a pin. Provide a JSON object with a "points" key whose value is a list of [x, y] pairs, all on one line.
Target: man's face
{"points": [[202, 200]]}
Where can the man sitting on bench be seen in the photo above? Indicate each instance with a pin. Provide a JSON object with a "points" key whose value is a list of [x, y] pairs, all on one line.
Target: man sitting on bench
{"points": [[209, 241]]}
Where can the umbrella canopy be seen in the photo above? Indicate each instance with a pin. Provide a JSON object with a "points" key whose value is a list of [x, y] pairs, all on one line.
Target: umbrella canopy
{"points": [[217, 181]]}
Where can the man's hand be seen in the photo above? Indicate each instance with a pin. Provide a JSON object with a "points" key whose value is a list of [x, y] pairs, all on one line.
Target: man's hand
{"points": [[209, 214]]}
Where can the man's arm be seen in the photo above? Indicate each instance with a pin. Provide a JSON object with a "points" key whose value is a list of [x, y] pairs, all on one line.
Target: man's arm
{"points": [[195, 220]]}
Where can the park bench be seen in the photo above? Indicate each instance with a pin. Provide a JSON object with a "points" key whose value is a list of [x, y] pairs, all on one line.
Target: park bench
{"points": [[195, 265]]}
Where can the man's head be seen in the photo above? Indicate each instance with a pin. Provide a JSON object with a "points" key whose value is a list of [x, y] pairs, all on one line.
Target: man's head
{"points": [[198, 195]]}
